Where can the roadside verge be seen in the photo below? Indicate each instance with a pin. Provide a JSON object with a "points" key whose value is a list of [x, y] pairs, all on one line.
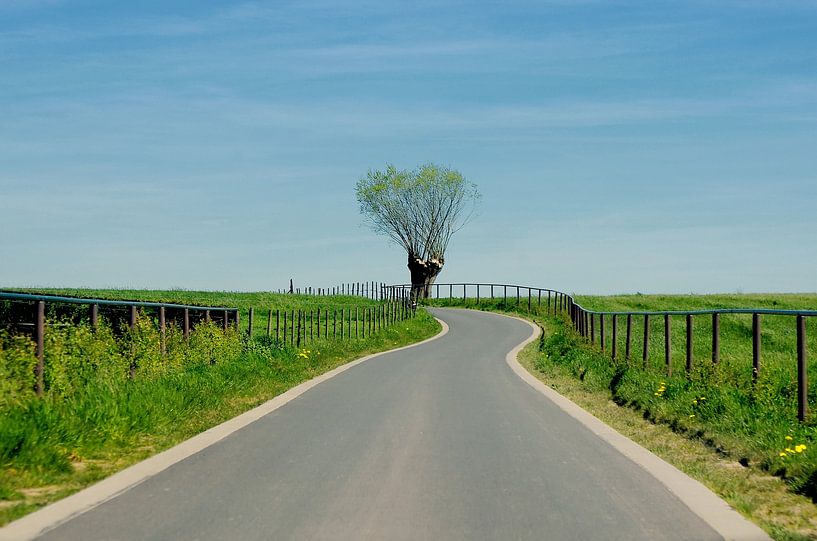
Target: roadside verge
{"points": [[699, 499]]}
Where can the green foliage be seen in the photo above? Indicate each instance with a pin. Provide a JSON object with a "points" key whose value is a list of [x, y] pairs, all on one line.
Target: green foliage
{"points": [[419, 210]]}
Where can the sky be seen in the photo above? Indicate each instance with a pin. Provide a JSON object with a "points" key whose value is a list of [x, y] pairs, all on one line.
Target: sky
{"points": [[655, 146]]}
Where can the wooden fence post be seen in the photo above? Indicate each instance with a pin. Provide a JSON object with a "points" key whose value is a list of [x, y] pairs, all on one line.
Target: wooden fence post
{"points": [[94, 315], [593, 329], [251, 320], [186, 324], [601, 331], [716, 338], [668, 343], [162, 341]]}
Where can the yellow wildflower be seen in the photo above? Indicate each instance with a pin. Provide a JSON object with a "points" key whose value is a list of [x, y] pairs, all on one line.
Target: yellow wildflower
{"points": [[789, 438], [789, 450], [799, 448], [692, 416], [782, 453]]}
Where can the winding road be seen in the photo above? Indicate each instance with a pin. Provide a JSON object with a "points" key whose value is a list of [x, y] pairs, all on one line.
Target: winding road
{"points": [[438, 441]]}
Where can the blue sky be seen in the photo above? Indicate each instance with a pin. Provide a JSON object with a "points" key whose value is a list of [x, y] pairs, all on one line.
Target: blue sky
{"points": [[620, 146]]}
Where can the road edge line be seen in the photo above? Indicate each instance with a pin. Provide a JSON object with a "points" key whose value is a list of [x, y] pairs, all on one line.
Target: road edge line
{"points": [[61, 511], [714, 511]]}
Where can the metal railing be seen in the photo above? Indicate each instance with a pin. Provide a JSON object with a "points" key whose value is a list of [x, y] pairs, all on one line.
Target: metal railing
{"points": [[34, 307], [588, 323]]}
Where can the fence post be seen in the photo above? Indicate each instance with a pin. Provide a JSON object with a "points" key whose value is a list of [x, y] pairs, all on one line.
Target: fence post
{"points": [[277, 324], [162, 341], [334, 323], [645, 354], [94, 315], [529, 300], [39, 341], [593, 329], [668, 343], [539, 302], [237, 320], [285, 328], [716, 338], [549, 302], [269, 323], [690, 351], [504, 296], [132, 319], [251, 320], [802, 372], [601, 331], [755, 347], [463, 293], [292, 328], [186, 324], [207, 316], [517, 297], [226, 321]]}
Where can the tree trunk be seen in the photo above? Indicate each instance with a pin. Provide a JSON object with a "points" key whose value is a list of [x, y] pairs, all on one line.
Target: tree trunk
{"points": [[423, 274]]}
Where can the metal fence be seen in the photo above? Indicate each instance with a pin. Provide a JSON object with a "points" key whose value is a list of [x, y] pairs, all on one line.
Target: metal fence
{"points": [[592, 324], [28, 313]]}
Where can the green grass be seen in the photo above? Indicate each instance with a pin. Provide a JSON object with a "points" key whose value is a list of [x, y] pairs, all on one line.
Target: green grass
{"points": [[95, 420]]}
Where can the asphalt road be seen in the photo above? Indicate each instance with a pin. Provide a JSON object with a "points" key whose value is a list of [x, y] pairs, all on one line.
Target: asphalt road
{"points": [[442, 441]]}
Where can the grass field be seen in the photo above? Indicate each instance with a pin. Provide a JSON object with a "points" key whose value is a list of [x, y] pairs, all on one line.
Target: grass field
{"points": [[94, 420], [753, 427]]}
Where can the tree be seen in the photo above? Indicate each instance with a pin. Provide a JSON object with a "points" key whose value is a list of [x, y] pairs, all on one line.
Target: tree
{"points": [[419, 210]]}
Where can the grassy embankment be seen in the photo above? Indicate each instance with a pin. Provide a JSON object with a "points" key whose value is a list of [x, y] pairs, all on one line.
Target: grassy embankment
{"points": [[742, 440], [94, 420]]}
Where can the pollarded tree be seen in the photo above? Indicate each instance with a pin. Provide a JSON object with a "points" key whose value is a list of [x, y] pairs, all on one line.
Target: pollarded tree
{"points": [[419, 210]]}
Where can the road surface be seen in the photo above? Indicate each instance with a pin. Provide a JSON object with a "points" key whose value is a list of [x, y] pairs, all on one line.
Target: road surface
{"points": [[441, 441]]}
